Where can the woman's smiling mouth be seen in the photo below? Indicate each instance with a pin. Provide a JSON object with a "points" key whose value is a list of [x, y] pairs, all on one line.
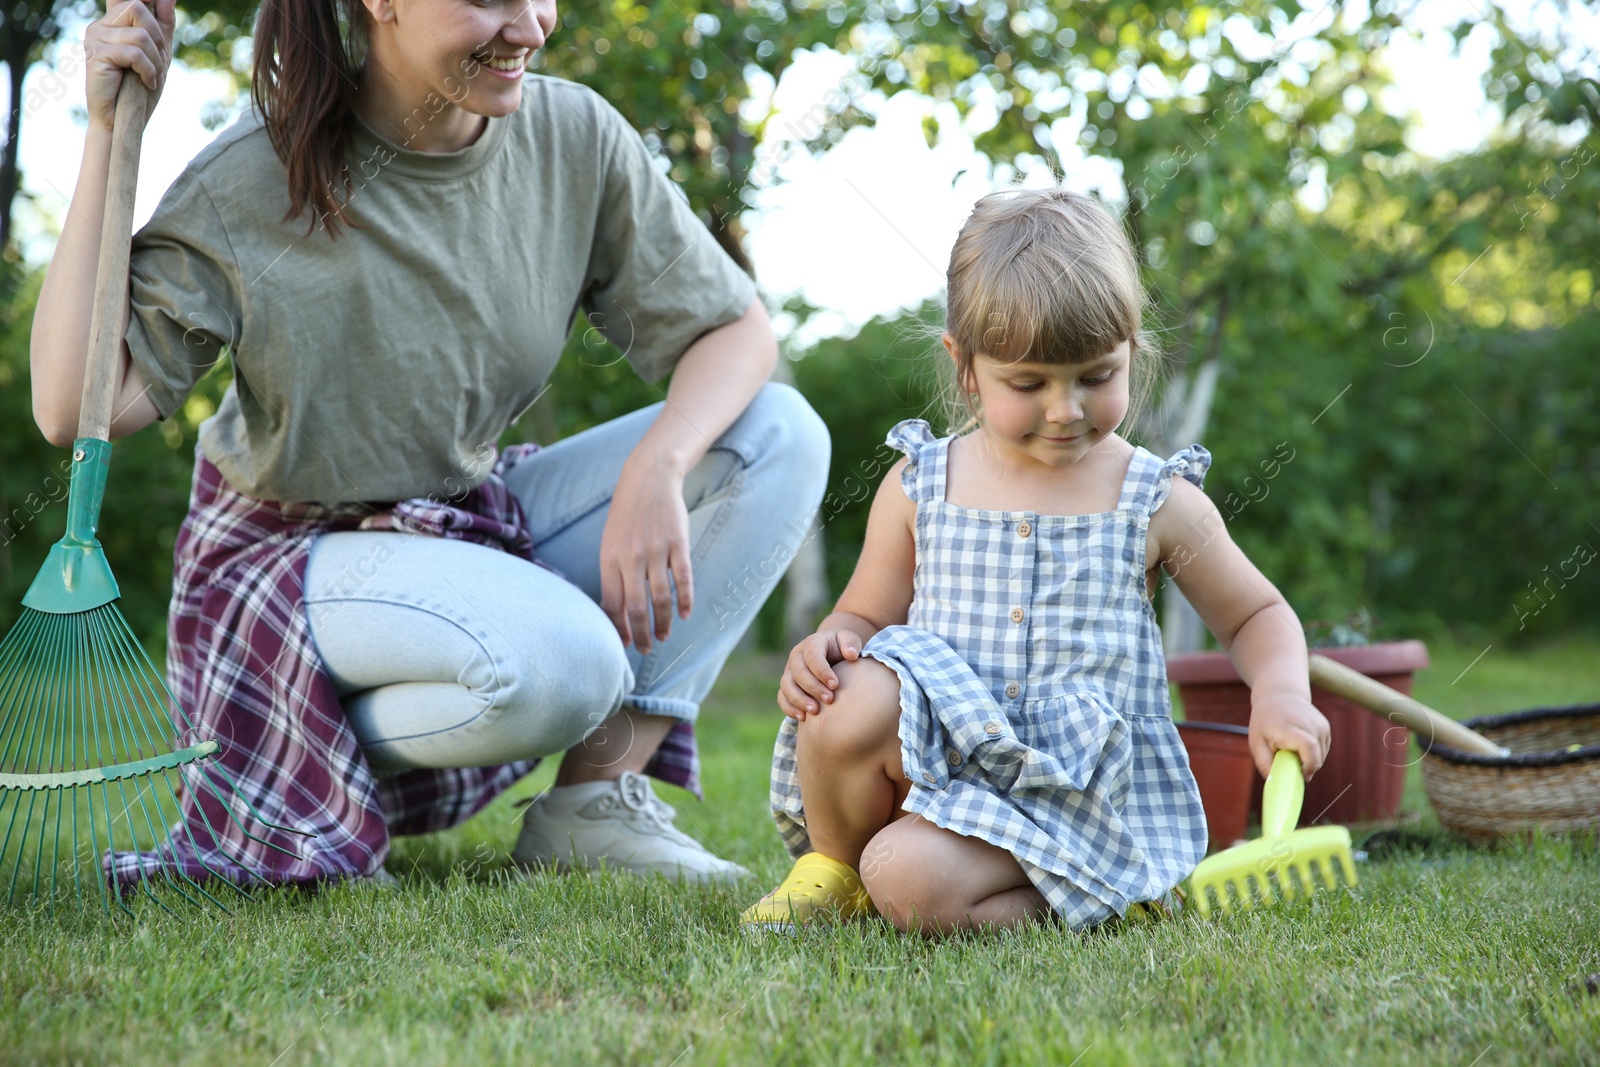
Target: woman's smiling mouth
{"points": [[505, 65]]}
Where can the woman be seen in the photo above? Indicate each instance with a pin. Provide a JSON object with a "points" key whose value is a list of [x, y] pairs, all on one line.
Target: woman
{"points": [[394, 251]]}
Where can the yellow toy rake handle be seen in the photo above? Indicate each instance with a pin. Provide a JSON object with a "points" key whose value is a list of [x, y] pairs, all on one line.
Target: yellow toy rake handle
{"points": [[1283, 794]]}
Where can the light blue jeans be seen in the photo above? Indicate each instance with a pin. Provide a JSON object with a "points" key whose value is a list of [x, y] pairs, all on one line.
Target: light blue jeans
{"points": [[451, 654]]}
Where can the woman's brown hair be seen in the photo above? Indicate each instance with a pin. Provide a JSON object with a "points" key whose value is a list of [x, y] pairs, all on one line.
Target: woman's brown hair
{"points": [[307, 57], [1047, 276]]}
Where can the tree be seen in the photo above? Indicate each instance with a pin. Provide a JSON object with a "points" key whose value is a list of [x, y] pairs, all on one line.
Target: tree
{"points": [[207, 35], [25, 30]]}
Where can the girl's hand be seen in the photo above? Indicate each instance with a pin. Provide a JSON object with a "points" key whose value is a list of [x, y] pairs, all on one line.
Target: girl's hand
{"points": [[808, 678], [1287, 720], [132, 35], [645, 542]]}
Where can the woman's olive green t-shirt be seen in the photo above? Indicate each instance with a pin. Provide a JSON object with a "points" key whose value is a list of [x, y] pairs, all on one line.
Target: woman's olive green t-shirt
{"points": [[386, 364]]}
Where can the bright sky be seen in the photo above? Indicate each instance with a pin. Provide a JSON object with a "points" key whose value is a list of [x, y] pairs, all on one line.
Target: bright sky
{"points": [[863, 231]]}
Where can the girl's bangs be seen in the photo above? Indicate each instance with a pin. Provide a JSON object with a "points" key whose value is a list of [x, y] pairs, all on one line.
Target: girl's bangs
{"points": [[1043, 320]]}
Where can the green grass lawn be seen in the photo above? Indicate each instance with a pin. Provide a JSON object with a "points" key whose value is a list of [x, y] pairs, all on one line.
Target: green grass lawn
{"points": [[1447, 953]]}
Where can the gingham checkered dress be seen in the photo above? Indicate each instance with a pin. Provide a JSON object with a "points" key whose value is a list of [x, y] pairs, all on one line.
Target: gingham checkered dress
{"points": [[1033, 691]]}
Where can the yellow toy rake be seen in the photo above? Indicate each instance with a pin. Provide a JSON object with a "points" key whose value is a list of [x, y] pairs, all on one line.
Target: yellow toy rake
{"points": [[1268, 869]]}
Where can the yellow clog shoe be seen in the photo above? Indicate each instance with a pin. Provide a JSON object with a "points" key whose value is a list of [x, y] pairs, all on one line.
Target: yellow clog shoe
{"points": [[817, 889]]}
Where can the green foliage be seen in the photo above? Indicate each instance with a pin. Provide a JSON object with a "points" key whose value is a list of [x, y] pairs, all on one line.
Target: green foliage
{"points": [[1430, 493], [861, 387], [1403, 498]]}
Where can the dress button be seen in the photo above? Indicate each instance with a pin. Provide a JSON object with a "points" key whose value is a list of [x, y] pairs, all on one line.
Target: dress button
{"points": [[1016, 614], [929, 776], [1012, 689], [1024, 528], [955, 758], [991, 728]]}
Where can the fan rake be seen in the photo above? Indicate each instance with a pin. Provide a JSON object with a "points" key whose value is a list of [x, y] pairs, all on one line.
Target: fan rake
{"points": [[91, 740], [90, 737]]}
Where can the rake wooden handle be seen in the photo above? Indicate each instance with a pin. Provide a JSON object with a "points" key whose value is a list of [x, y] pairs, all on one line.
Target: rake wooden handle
{"points": [[1395, 706], [111, 277]]}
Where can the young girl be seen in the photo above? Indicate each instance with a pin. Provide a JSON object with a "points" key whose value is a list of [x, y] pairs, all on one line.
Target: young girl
{"points": [[980, 733]]}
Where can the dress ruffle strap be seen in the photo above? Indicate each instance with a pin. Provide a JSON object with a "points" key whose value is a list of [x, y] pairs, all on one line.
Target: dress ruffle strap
{"points": [[913, 437], [1192, 463]]}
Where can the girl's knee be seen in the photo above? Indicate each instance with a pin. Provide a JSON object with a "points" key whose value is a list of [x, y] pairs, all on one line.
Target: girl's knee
{"points": [[862, 722], [869, 686], [902, 884]]}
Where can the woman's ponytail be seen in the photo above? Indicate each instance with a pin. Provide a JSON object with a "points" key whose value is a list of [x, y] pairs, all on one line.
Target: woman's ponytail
{"points": [[304, 84]]}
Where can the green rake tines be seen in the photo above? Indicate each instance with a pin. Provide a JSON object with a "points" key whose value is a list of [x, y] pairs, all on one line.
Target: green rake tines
{"points": [[90, 737]]}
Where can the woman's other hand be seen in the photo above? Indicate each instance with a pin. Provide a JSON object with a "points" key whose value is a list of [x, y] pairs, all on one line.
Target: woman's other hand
{"points": [[808, 678], [132, 35], [646, 542]]}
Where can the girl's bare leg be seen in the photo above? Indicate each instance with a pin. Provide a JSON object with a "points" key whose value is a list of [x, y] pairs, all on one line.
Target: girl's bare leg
{"points": [[848, 761], [931, 880]]}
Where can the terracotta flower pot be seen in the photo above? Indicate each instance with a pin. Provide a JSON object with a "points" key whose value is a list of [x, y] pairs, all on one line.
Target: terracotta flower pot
{"points": [[1365, 772], [1219, 755]]}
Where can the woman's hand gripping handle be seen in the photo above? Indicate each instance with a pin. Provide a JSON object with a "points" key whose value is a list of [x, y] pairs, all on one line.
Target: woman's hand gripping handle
{"points": [[133, 35]]}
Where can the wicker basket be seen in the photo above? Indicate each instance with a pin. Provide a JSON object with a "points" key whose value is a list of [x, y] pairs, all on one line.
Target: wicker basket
{"points": [[1545, 782]]}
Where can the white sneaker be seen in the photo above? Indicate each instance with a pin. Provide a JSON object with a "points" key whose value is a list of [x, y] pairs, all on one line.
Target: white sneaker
{"points": [[382, 879], [622, 823]]}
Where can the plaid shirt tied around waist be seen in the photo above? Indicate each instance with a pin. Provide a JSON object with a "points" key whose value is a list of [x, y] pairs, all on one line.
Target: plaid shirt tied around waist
{"points": [[242, 664]]}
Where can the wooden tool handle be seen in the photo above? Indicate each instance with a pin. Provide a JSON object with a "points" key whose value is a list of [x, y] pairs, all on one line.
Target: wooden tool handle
{"points": [[1420, 719], [111, 279]]}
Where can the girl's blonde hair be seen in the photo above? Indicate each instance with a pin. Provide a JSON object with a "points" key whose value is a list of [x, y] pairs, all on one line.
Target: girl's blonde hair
{"points": [[1047, 276]]}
